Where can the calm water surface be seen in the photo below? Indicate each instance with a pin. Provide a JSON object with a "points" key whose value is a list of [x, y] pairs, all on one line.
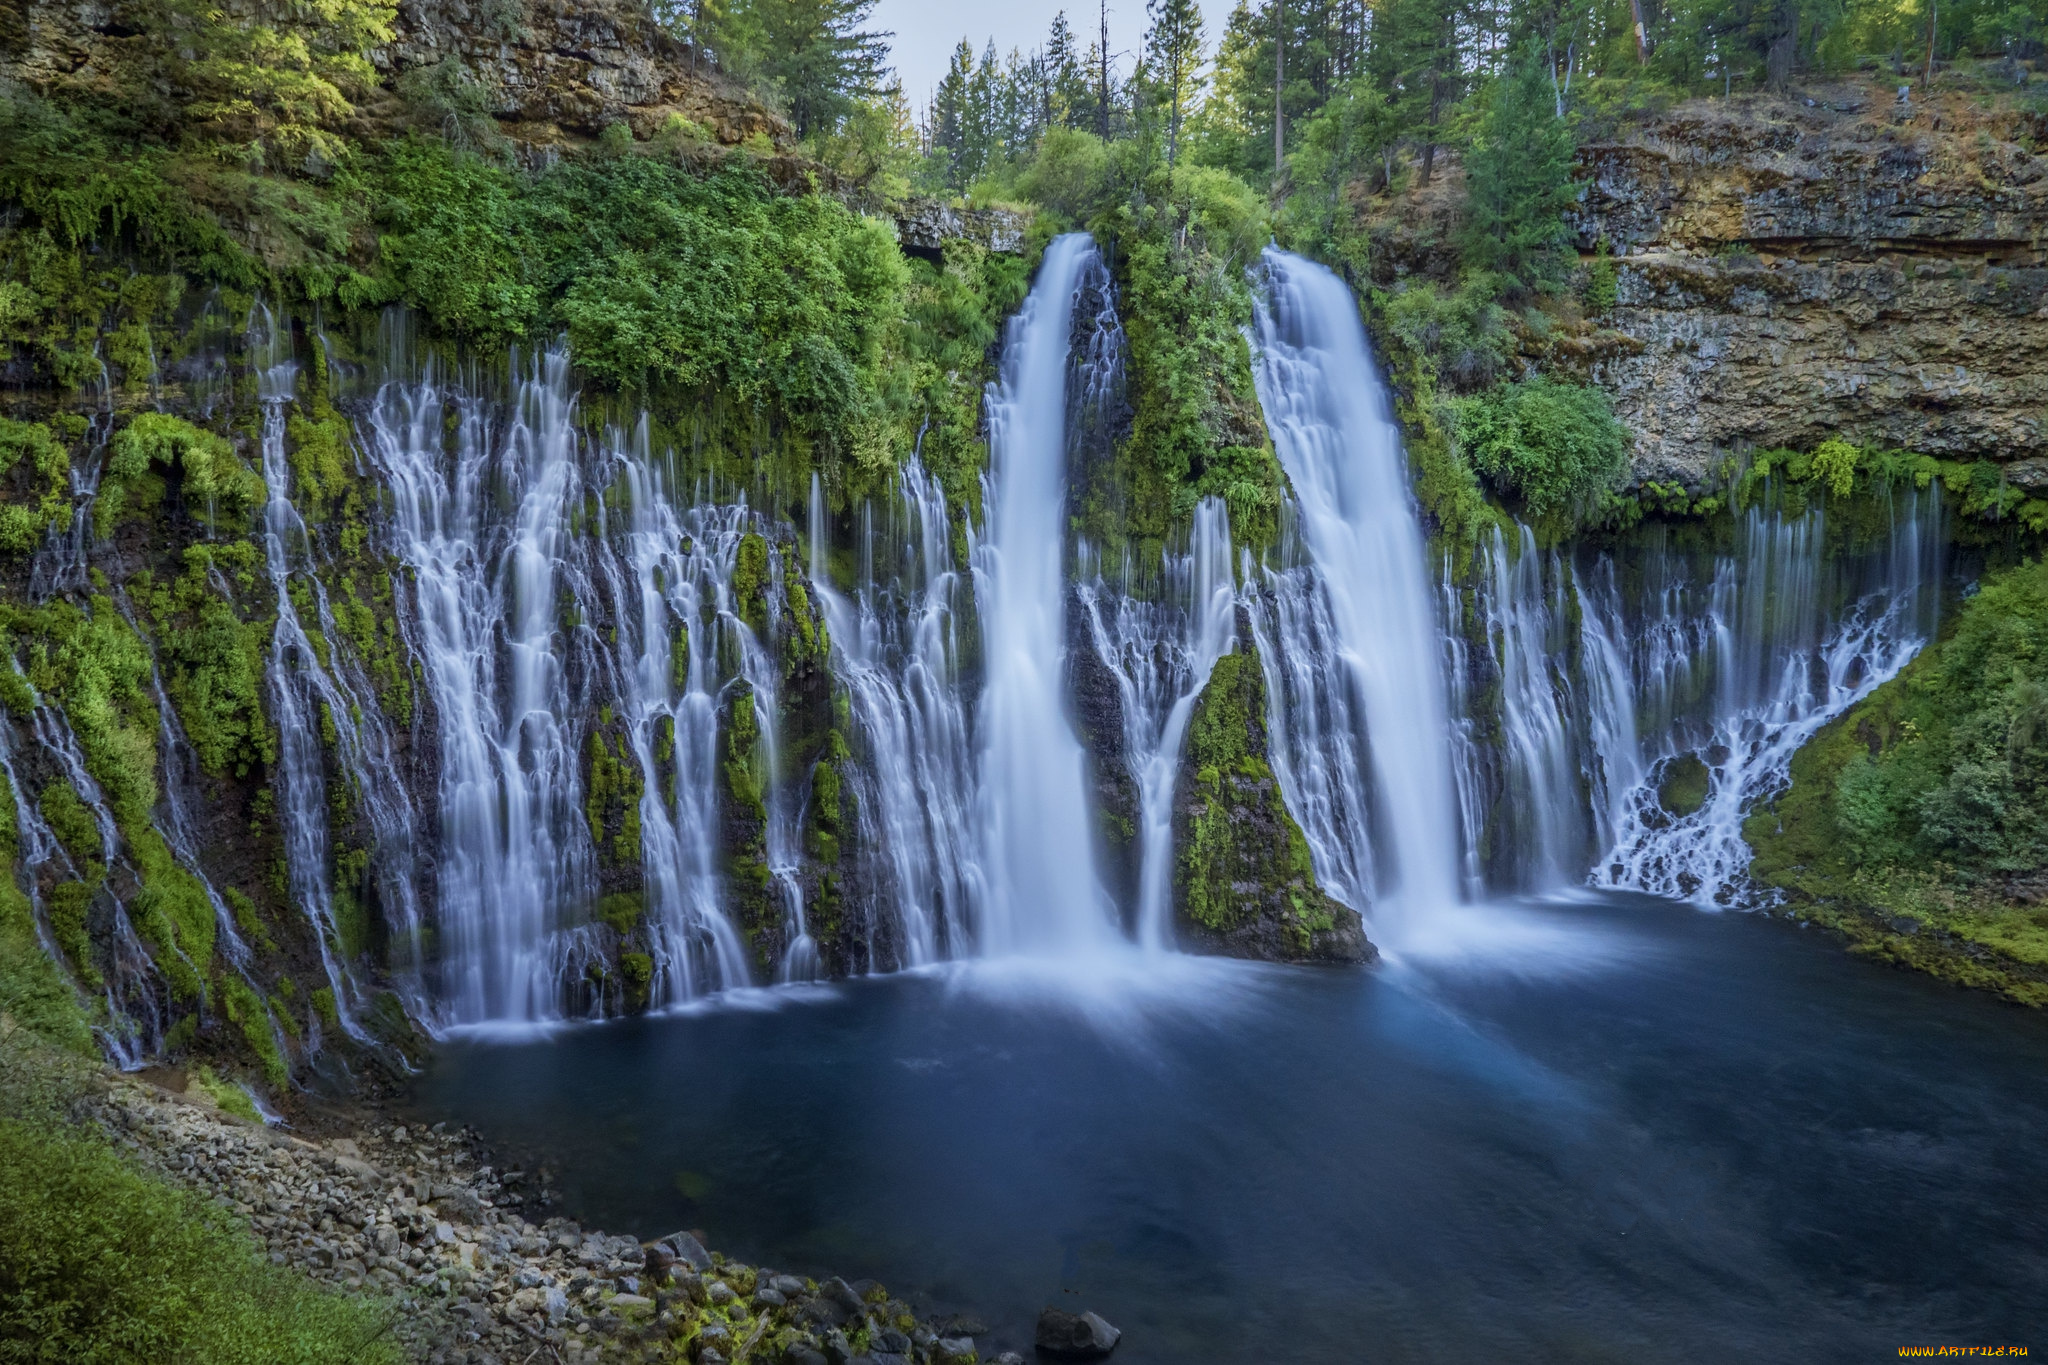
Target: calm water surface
{"points": [[1609, 1130]]}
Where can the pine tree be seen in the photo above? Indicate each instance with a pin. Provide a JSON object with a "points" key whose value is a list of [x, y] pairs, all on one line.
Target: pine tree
{"points": [[1519, 179], [1173, 63], [813, 53]]}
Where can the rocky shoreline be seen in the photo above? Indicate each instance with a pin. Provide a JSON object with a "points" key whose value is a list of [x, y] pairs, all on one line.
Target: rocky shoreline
{"points": [[418, 1216]]}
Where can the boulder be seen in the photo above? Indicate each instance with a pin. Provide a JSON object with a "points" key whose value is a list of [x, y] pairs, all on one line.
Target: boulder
{"points": [[1082, 1336], [677, 1247]]}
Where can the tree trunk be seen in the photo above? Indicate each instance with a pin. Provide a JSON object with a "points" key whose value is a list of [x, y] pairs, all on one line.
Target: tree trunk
{"points": [[1279, 89], [1102, 113], [1933, 8], [1635, 9], [1783, 50]]}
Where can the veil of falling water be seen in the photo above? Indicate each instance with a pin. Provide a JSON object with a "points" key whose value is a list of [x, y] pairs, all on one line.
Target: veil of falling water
{"points": [[896, 650], [1038, 890], [515, 860], [1160, 653], [1350, 642], [554, 576]]}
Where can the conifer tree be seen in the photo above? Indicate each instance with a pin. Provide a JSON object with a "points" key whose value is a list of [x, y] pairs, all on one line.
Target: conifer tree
{"points": [[1519, 179], [1173, 63]]}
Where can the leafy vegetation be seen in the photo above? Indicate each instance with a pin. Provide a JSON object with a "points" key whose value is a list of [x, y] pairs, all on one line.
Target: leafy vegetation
{"points": [[1555, 447], [101, 1262], [1918, 821]]}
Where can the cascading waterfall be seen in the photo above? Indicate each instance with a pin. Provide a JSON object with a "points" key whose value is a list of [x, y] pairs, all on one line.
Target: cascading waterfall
{"points": [[134, 1026], [896, 651], [305, 692], [515, 857], [672, 582], [1541, 820], [1366, 609], [1038, 890], [1795, 637], [1161, 654]]}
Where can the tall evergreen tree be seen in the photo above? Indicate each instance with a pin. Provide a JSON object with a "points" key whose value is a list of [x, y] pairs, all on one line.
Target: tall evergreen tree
{"points": [[1519, 178], [815, 54], [1173, 63]]}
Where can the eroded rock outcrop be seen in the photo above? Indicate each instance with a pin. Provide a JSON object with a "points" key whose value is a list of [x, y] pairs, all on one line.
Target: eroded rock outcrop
{"points": [[1838, 265], [548, 71]]}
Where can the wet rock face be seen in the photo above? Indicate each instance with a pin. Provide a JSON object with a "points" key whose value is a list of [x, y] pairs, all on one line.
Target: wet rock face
{"points": [[924, 226], [1244, 885], [1790, 272]]}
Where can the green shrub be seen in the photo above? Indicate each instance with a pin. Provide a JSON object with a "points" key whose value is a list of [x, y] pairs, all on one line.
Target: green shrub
{"points": [[101, 1264], [1557, 447]]}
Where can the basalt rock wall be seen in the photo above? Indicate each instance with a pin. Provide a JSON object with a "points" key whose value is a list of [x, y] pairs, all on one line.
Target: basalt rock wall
{"points": [[1842, 264]]}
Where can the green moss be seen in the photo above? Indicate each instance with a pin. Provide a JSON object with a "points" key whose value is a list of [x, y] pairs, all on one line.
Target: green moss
{"points": [[33, 992], [40, 498], [323, 1006], [621, 910], [352, 926], [1917, 823], [1240, 833], [247, 920], [750, 581], [231, 1098], [612, 793], [214, 479], [67, 906], [213, 663], [746, 825], [1683, 785], [636, 972], [72, 823], [247, 1011]]}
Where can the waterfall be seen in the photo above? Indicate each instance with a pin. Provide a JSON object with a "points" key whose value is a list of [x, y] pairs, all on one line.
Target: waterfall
{"points": [[672, 580], [896, 651], [1523, 619], [1793, 635], [1039, 890], [481, 519], [132, 992], [1161, 654], [1365, 612], [308, 694]]}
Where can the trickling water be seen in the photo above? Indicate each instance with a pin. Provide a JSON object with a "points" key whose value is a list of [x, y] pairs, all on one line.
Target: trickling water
{"points": [[134, 1027], [1369, 610], [674, 599], [515, 854], [305, 697], [1161, 654], [1523, 617], [1794, 637], [896, 651], [1039, 890]]}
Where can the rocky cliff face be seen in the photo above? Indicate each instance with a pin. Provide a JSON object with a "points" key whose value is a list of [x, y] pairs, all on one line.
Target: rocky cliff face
{"points": [[1844, 264], [548, 71]]}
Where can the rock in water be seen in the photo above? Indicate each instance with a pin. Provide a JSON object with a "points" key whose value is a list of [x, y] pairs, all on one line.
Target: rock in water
{"points": [[1082, 1337]]}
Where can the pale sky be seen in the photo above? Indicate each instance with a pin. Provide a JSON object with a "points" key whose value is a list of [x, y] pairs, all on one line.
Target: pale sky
{"points": [[928, 30]]}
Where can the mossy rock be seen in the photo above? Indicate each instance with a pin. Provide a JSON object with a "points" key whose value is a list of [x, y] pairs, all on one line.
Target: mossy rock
{"points": [[1244, 884], [1682, 788]]}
